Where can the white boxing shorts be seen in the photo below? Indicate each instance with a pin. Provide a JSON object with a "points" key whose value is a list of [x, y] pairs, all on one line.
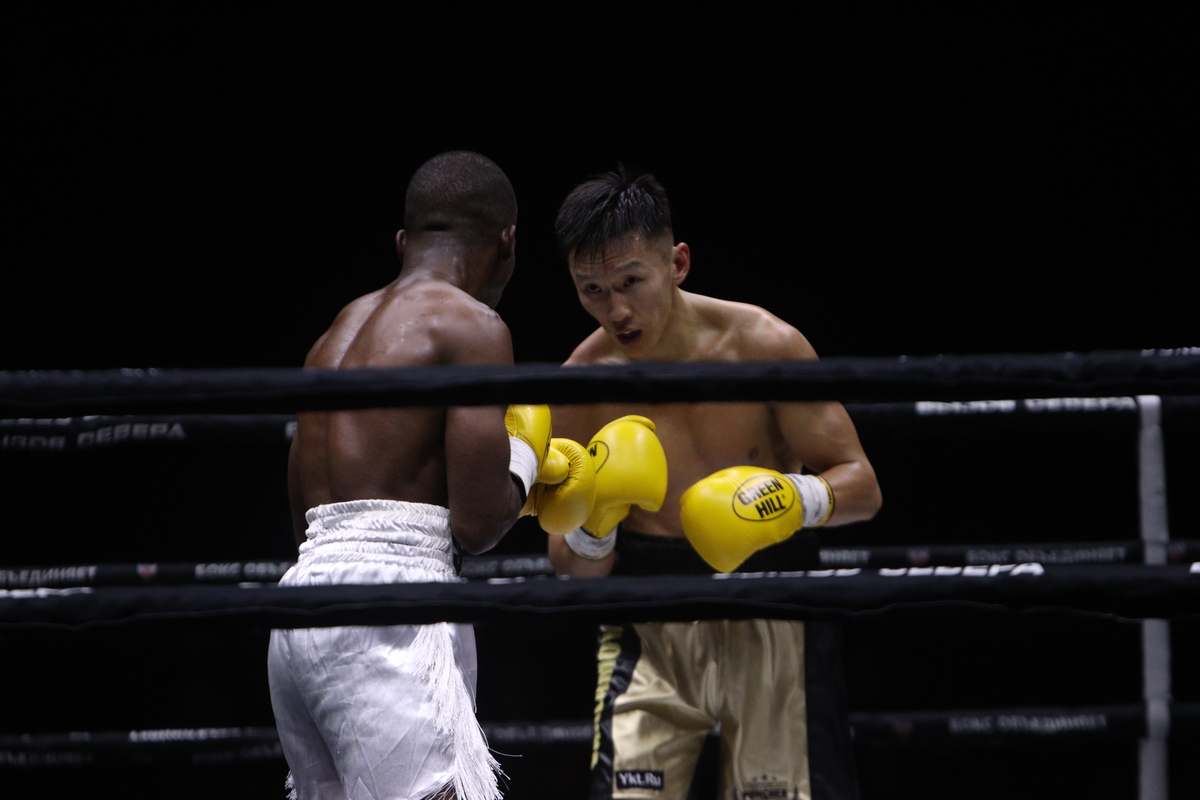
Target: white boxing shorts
{"points": [[378, 713]]}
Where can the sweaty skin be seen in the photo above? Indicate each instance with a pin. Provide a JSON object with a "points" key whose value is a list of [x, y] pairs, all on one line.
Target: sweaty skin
{"points": [[456, 457], [632, 290]]}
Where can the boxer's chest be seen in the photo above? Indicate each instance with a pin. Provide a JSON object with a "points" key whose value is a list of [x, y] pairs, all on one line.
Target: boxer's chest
{"points": [[700, 439]]}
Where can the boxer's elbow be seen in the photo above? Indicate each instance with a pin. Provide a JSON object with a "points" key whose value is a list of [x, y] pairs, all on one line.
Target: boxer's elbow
{"points": [[858, 497], [478, 537], [871, 499], [479, 519], [874, 500], [478, 530], [478, 547]]}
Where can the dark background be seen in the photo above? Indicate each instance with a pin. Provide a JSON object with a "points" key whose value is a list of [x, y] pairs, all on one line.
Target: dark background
{"points": [[207, 190]]}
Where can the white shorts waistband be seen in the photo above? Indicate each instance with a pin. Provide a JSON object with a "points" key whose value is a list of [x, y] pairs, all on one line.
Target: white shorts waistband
{"points": [[414, 536], [388, 517]]}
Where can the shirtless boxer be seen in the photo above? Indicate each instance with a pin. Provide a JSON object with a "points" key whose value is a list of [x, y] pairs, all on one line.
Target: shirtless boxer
{"points": [[389, 495], [774, 687]]}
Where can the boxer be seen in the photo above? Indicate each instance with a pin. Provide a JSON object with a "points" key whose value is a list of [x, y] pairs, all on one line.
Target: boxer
{"points": [[392, 495], [773, 688]]}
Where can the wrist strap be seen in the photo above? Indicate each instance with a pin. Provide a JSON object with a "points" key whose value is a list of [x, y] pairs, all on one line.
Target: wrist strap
{"points": [[591, 547], [816, 498], [522, 463]]}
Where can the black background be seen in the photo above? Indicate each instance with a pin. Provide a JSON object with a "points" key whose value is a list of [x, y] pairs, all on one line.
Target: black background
{"points": [[207, 189]]}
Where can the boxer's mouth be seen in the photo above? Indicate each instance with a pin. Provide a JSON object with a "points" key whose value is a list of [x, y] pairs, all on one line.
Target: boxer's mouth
{"points": [[630, 337]]}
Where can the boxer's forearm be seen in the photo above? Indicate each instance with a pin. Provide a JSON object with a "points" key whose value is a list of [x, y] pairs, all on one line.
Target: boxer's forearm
{"points": [[855, 490], [567, 562]]}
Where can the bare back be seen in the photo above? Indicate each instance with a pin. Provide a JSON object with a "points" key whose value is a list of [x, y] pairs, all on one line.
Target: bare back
{"points": [[392, 454]]}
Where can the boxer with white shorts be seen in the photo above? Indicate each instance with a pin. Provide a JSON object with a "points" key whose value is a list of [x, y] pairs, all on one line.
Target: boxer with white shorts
{"points": [[380, 711], [392, 495]]}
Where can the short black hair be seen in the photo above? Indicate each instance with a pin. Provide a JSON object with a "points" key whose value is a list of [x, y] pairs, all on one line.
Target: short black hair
{"points": [[460, 192], [611, 206]]}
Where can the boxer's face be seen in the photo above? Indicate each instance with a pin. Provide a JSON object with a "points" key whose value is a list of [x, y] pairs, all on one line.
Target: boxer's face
{"points": [[629, 290]]}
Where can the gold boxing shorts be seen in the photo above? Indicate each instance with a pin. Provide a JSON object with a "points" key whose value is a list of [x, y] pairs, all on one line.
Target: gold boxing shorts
{"points": [[773, 688]]}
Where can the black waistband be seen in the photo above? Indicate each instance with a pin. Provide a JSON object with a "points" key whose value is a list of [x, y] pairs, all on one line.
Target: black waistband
{"points": [[646, 554]]}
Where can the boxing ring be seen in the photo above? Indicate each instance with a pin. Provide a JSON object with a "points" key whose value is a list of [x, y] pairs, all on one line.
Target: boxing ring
{"points": [[1152, 578]]}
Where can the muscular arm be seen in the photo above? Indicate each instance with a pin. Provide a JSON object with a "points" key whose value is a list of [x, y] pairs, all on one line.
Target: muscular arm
{"points": [[484, 499], [567, 562], [821, 436]]}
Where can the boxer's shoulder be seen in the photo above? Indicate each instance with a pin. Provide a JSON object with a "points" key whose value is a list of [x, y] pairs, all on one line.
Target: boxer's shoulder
{"points": [[458, 327], [747, 332], [330, 349], [422, 323], [434, 300], [598, 348]]}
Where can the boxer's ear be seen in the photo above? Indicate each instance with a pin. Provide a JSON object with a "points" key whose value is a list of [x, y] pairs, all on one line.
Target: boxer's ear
{"points": [[681, 263], [508, 242], [401, 241]]}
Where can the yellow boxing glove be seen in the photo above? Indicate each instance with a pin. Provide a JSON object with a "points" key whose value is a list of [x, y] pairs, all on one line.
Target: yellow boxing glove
{"points": [[734, 513], [631, 469], [529, 433], [563, 506]]}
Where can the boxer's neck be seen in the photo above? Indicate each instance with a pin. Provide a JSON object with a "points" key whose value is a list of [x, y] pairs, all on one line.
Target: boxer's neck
{"points": [[447, 260]]}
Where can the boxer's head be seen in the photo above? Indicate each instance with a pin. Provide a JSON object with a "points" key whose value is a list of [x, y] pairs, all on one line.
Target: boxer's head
{"points": [[615, 231], [464, 199]]}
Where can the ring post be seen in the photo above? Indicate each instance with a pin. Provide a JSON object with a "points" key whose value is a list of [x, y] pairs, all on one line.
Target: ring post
{"points": [[1156, 633]]}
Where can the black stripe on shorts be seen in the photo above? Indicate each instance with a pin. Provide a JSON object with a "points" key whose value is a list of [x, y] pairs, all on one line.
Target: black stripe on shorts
{"points": [[630, 651]]}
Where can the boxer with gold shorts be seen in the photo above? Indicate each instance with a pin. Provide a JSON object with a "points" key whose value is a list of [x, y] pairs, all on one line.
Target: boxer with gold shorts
{"points": [[746, 487]]}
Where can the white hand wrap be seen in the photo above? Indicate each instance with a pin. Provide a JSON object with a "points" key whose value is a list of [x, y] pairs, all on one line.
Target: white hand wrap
{"points": [[522, 463], [815, 497], [590, 547]]}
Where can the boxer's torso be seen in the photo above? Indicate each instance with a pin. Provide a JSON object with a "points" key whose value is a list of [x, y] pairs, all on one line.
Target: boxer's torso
{"points": [[388, 454], [698, 438]]}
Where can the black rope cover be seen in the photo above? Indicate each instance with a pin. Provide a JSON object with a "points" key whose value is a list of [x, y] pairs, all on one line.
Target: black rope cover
{"points": [[528, 565], [282, 390], [952, 388], [105, 433], [102, 433], [940, 730], [1127, 591]]}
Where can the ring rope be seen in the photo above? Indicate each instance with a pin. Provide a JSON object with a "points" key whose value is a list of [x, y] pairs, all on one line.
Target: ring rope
{"points": [[530, 565], [101, 432], [97, 433], [1133, 592], [967, 728], [1109, 591], [52, 394]]}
